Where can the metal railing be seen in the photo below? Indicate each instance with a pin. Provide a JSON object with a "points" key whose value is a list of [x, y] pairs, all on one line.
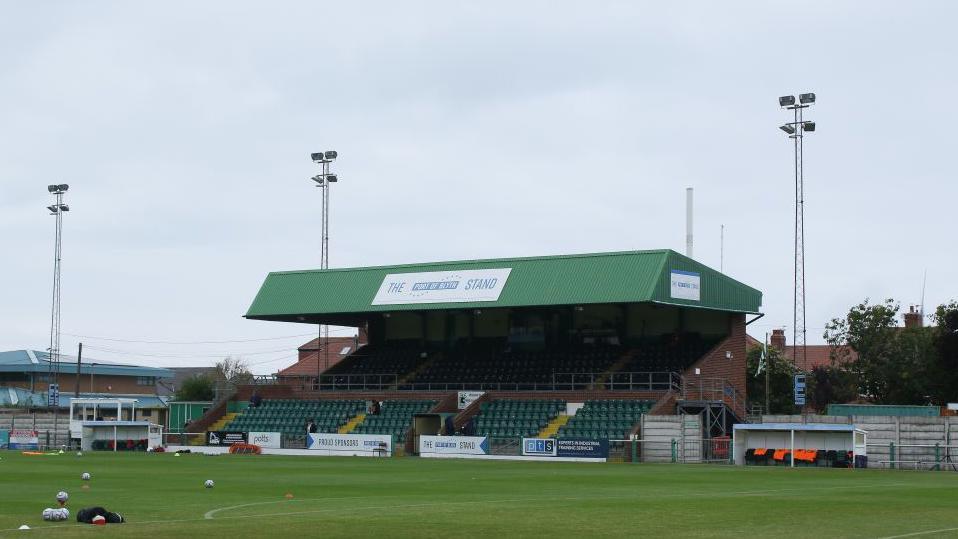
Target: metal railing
{"points": [[678, 450], [342, 382], [618, 381], [705, 388], [932, 457]]}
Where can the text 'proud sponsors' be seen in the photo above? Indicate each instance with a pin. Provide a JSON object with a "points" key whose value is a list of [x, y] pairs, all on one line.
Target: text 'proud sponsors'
{"points": [[454, 445], [269, 440], [351, 444], [685, 285], [566, 448], [442, 287]]}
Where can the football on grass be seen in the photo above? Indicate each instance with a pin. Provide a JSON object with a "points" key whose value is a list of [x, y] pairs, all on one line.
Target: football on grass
{"points": [[208, 483]]}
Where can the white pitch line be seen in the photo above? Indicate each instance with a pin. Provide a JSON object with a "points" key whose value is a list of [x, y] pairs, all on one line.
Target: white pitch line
{"points": [[916, 534], [476, 502]]}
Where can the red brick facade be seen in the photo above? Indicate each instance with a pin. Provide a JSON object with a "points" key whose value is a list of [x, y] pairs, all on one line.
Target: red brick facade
{"points": [[718, 364]]}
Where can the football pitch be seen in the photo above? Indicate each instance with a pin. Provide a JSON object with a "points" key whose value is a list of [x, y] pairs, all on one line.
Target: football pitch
{"points": [[269, 496]]}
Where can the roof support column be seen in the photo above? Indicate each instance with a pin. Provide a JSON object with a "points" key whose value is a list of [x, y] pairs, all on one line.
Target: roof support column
{"points": [[422, 329]]}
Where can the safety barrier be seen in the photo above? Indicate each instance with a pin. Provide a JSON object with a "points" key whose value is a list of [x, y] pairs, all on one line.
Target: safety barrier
{"points": [[930, 457]]}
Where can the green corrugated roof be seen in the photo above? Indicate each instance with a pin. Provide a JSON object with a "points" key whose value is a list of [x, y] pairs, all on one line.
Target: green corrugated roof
{"points": [[884, 410], [621, 277]]}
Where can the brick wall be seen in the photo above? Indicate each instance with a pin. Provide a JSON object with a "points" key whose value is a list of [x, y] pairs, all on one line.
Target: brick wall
{"points": [[716, 364], [100, 384]]}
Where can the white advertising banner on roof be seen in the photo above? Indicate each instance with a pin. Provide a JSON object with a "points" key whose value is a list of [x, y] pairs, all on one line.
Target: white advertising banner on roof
{"points": [[686, 285], [464, 286]]}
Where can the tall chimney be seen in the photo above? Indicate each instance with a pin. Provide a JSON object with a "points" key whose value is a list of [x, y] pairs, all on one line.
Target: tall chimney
{"points": [[688, 222], [913, 318], [777, 340]]}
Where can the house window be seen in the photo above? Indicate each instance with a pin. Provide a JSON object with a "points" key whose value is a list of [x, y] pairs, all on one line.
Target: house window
{"points": [[145, 381], [146, 413]]}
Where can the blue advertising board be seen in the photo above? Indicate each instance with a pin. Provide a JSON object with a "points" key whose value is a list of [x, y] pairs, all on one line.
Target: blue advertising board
{"points": [[800, 390], [4, 438], [539, 447], [593, 449]]}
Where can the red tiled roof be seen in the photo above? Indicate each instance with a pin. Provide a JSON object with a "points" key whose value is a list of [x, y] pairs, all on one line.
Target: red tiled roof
{"points": [[820, 355], [816, 355], [312, 362]]}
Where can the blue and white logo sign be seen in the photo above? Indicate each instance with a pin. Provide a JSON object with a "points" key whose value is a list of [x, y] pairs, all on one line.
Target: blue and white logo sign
{"points": [[442, 287], [540, 447], [686, 285], [454, 445]]}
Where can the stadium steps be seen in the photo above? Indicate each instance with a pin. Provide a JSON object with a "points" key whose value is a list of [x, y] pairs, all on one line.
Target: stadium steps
{"points": [[553, 427], [419, 370], [351, 424], [220, 423], [623, 361]]}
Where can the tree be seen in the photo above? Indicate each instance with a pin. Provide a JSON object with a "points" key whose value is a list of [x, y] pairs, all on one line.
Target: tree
{"points": [[944, 372], [780, 373], [892, 365], [830, 384], [869, 330], [197, 388], [233, 371]]}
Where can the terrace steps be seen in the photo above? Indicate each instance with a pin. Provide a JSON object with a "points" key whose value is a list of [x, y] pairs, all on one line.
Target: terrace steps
{"points": [[220, 423], [352, 423], [550, 430]]}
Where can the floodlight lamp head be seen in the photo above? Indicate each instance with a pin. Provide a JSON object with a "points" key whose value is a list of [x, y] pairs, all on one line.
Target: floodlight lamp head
{"points": [[330, 155], [786, 100], [787, 128], [63, 187], [52, 208], [318, 179], [808, 126], [331, 178], [52, 188], [64, 207], [806, 98], [317, 157]]}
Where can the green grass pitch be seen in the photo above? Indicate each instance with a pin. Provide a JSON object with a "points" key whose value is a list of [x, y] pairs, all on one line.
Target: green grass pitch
{"points": [[163, 496]]}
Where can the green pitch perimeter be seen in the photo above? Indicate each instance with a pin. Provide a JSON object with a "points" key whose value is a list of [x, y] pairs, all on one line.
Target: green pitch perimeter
{"points": [[163, 496]]}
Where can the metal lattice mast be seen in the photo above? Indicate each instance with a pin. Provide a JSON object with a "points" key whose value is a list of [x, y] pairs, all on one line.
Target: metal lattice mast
{"points": [[324, 180], [325, 261], [796, 131], [56, 209]]}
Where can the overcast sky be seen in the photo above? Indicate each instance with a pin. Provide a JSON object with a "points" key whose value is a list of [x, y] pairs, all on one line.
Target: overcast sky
{"points": [[480, 130]]}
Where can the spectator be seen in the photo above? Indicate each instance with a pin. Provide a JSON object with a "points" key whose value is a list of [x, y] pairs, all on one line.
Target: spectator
{"points": [[311, 426], [255, 400]]}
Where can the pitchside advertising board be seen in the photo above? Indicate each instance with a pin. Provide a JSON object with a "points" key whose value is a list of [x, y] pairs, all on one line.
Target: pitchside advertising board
{"points": [[269, 440], [576, 448], [351, 444], [222, 437], [686, 285], [442, 287], [24, 439], [539, 447], [454, 445]]}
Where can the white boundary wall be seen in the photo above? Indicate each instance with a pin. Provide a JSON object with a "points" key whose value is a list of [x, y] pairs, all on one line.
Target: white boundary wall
{"points": [[884, 430]]}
